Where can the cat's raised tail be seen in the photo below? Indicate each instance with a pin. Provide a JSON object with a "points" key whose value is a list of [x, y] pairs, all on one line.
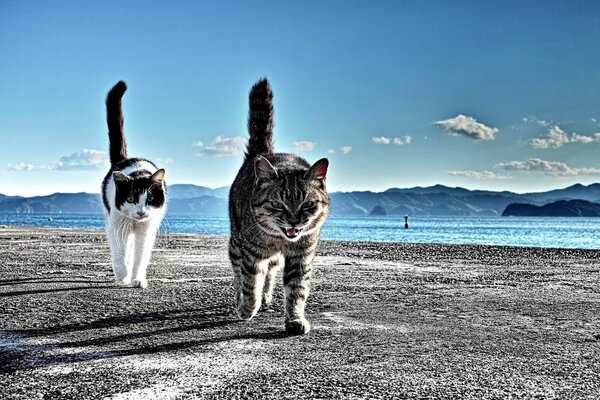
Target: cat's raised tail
{"points": [[260, 119], [114, 119]]}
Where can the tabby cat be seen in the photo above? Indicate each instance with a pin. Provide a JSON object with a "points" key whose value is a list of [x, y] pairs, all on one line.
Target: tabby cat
{"points": [[134, 197], [277, 205]]}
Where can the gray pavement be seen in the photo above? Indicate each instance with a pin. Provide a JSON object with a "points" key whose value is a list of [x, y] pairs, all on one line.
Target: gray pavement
{"points": [[389, 321]]}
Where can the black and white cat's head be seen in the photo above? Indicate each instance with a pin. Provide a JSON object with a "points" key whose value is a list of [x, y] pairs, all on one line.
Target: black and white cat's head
{"points": [[140, 196], [293, 203]]}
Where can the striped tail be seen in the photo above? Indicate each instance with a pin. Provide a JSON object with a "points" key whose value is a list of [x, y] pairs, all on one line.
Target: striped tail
{"points": [[114, 119], [260, 119]]}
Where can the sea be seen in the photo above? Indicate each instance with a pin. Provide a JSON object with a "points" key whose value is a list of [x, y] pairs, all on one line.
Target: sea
{"points": [[574, 232]]}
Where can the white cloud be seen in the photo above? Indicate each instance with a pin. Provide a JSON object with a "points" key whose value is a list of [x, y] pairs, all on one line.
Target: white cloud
{"points": [[164, 161], [304, 146], [21, 167], [81, 160], [462, 125], [551, 168], [400, 141], [479, 174], [346, 149], [535, 120], [221, 146], [556, 138], [576, 138], [84, 159], [331, 151], [381, 140]]}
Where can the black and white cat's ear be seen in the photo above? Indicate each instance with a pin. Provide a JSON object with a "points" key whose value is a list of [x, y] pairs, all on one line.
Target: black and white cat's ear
{"points": [[120, 177], [264, 170], [158, 176], [318, 171]]}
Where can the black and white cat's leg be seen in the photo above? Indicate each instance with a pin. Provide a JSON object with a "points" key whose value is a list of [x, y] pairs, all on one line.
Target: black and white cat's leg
{"points": [[120, 243], [144, 238], [296, 280], [274, 265], [253, 271]]}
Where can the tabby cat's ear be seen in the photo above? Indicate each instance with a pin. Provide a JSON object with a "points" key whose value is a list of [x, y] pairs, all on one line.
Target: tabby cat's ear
{"points": [[318, 171], [264, 170], [158, 176], [119, 177]]}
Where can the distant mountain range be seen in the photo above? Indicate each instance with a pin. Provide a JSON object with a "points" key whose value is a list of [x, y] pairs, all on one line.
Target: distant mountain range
{"points": [[441, 200], [185, 191], [435, 200], [561, 208], [182, 199]]}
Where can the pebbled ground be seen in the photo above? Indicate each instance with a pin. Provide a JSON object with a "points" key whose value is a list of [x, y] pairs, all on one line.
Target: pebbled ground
{"points": [[389, 321]]}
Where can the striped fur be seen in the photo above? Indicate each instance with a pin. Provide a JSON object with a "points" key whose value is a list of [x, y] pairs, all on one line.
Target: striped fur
{"points": [[260, 119], [277, 205]]}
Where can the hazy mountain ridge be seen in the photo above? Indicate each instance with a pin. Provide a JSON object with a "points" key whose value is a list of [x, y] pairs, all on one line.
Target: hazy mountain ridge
{"points": [[54, 203], [441, 200], [434, 200], [189, 191], [561, 208]]}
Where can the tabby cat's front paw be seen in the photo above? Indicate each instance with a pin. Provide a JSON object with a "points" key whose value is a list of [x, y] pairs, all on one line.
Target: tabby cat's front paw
{"points": [[245, 313], [141, 283], [298, 326]]}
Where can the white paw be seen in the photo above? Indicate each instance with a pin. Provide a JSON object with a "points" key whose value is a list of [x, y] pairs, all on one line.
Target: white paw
{"points": [[267, 299], [141, 283], [125, 281]]}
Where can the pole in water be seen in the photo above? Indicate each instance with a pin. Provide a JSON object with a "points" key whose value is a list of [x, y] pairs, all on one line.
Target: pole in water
{"points": [[406, 222]]}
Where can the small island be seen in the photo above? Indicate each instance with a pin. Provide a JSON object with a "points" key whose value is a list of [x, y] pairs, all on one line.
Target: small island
{"points": [[378, 211]]}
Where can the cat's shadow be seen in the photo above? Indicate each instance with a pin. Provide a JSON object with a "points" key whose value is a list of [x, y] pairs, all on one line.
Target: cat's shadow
{"points": [[63, 289], [137, 334], [44, 280]]}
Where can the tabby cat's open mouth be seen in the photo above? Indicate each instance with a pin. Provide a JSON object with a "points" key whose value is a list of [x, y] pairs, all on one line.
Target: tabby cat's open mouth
{"points": [[291, 232]]}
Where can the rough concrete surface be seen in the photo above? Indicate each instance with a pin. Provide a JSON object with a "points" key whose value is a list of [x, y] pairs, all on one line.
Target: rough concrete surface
{"points": [[389, 321]]}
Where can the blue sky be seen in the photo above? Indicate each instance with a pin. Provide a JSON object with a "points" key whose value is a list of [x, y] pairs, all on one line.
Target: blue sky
{"points": [[489, 95]]}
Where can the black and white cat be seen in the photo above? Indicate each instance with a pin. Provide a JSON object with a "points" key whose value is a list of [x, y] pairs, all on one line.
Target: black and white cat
{"points": [[134, 197]]}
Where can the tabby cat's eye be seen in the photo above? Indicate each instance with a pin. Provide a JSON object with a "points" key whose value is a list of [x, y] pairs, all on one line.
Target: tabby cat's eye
{"points": [[277, 205], [308, 204], [130, 199]]}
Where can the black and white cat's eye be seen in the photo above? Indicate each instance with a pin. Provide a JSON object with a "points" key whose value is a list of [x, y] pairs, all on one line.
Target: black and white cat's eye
{"points": [[130, 199]]}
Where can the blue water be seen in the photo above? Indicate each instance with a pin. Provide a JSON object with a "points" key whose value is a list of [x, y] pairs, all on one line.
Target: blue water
{"points": [[512, 231]]}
